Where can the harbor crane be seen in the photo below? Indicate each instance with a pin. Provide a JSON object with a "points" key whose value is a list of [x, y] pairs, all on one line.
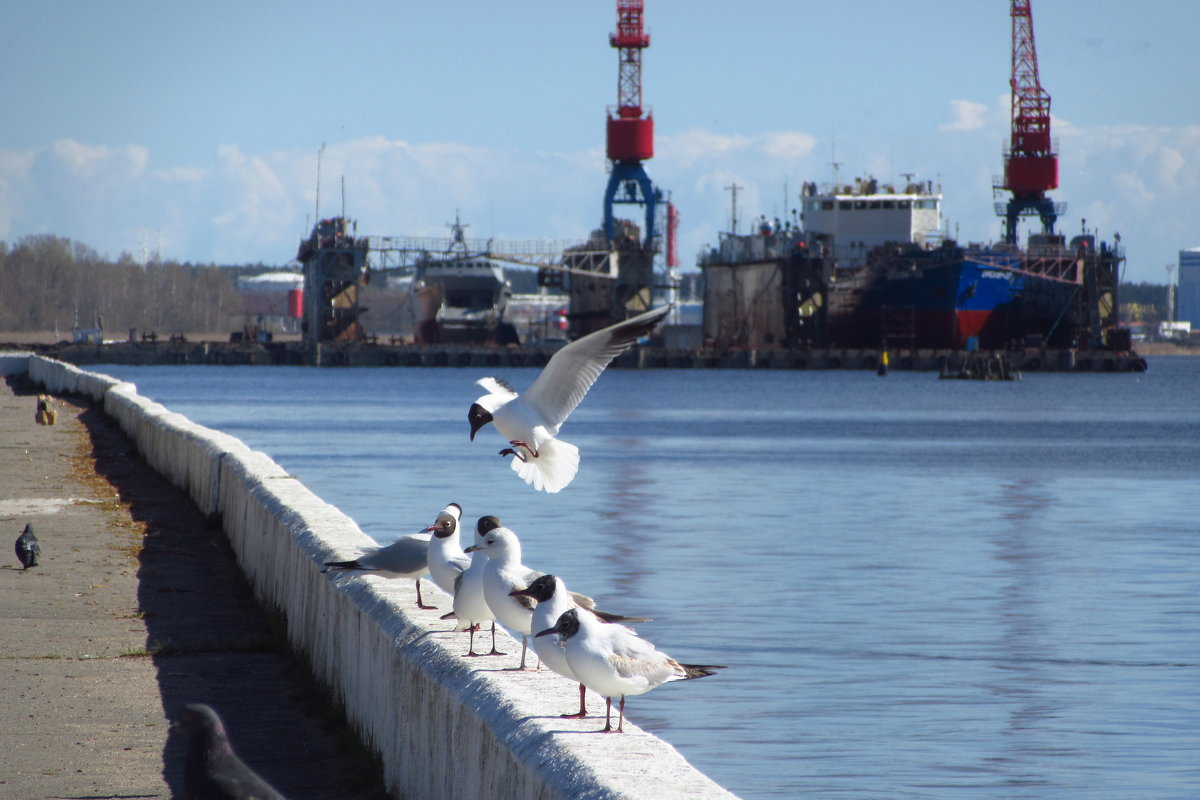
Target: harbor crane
{"points": [[1031, 159], [630, 132]]}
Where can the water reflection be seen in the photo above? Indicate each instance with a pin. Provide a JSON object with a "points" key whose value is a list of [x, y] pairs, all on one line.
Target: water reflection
{"points": [[627, 519], [1026, 569]]}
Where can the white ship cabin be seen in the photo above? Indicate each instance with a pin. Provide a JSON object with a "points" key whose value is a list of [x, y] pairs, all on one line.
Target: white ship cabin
{"points": [[865, 214]]}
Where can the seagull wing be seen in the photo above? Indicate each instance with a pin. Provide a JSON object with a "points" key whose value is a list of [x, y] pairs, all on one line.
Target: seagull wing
{"points": [[651, 671], [497, 386], [583, 601], [573, 369], [406, 554]]}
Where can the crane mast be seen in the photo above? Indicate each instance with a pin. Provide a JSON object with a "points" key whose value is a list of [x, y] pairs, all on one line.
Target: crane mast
{"points": [[1031, 161], [630, 132]]}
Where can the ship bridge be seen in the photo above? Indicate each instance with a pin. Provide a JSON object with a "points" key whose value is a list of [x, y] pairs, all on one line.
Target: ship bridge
{"points": [[865, 214]]}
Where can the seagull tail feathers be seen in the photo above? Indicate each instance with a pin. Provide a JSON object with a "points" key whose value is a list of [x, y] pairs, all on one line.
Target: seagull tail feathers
{"points": [[553, 469], [341, 565], [699, 670]]}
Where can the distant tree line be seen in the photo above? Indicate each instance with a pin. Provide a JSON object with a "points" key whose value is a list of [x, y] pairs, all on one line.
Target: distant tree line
{"points": [[1144, 294], [1144, 303], [48, 282]]}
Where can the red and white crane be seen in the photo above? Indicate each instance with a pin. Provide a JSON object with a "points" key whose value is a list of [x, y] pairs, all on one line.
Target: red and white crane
{"points": [[630, 133], [1031, 160]]}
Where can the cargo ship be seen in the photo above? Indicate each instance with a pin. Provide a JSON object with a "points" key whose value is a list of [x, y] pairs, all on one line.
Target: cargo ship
{"points": [[871, 266]]}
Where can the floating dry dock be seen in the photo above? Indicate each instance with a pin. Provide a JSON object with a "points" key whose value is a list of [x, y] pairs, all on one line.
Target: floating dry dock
{"points": [[386, 355]]}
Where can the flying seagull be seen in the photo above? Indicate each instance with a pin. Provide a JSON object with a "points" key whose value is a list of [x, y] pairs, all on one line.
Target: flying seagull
{"points": [[530, 422], [211, 770], [613, 661], [28, 548]]}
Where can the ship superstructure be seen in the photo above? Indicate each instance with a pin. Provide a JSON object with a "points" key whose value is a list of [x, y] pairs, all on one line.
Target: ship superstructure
{"points": [[862, 215]]}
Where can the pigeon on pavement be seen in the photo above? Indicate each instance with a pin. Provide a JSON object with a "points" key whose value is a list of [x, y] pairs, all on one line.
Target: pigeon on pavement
{"points": [[29, 549], [211, 770]]}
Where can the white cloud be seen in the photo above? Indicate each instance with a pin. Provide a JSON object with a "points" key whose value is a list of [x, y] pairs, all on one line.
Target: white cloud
{"points": [[254, 200], [790, 145], [243, 206], [965, 115], [1133, 188], [181, 175], [695, 145], [87, 161]]}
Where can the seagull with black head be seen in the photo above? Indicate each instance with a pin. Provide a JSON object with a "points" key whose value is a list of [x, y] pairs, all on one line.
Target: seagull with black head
{"points": [[530, 422]]}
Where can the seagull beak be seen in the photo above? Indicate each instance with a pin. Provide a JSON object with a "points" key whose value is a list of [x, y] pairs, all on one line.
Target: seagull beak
{"points": [[546, 632], [430, 529], [471, 549], [519, 592]]}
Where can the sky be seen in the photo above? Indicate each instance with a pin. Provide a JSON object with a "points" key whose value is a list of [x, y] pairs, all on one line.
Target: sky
{"points": [[194, 129]]}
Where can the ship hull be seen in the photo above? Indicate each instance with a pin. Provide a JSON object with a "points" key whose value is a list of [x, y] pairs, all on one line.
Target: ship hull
{"points": [[948, 298]]}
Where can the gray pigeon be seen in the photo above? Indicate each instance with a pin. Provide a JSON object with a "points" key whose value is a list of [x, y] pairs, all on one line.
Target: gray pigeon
{"points": [[212, 771], [28, 547]]}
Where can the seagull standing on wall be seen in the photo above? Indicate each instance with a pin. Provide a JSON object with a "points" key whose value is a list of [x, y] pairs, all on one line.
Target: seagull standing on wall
{"points": [[530, 422], [470, 606], [447, 561], [503, 574], [407, 557], [613, 661], [553, 600]]}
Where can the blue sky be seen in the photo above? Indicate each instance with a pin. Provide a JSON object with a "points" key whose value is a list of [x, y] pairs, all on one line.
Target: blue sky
{"points": [[198, 124]]}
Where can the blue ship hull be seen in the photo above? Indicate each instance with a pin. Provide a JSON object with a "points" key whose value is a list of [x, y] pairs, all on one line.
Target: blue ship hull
{"points": [[950, 298]]}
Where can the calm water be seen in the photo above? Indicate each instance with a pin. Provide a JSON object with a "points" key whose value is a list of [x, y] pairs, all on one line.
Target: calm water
{"points": [[923, 588]]}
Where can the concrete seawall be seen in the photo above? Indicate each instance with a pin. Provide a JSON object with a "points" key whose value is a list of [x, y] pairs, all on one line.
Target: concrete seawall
{"points": [[445, 726]]}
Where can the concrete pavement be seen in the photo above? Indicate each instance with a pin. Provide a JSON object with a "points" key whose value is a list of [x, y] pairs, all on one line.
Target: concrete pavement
{"points": [[137, 608]]}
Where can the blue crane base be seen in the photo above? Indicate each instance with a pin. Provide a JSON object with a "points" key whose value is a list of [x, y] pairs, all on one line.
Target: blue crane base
{"points": [[629, 184], [1039, 206]]}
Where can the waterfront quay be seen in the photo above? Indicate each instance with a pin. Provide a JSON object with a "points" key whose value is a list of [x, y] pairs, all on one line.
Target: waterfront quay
{"points": [[91, 712], [369, 354]]}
